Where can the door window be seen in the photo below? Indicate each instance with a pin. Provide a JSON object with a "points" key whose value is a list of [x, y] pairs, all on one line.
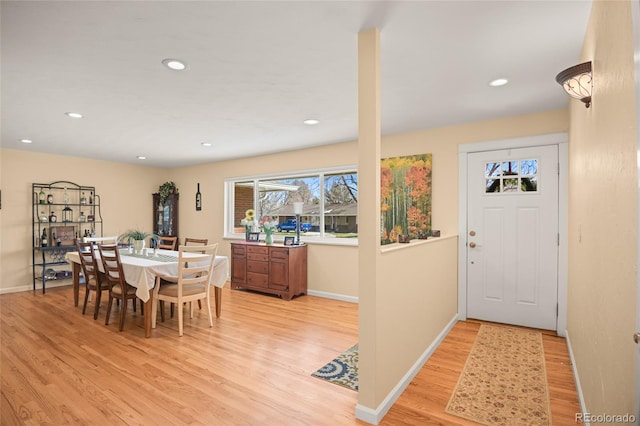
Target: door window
{"points": [[503, 177]]}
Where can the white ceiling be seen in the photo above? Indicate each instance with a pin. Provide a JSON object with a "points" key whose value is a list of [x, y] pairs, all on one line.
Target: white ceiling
{"points": [[257, 69]]}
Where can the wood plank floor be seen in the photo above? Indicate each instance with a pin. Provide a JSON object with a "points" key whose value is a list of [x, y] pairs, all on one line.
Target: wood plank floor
{"points": [[425, 399], [252, 368]]}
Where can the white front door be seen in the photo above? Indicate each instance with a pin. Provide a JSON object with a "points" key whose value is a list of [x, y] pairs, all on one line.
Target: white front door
{"points": [[512, 236]]}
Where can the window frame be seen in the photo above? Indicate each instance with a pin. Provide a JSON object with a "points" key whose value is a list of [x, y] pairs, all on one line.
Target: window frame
{"points": [[501, 178], [229, 201]]}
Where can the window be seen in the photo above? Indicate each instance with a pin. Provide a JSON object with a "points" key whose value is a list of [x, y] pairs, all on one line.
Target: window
{"points": [[511, 176], [329, 197]]}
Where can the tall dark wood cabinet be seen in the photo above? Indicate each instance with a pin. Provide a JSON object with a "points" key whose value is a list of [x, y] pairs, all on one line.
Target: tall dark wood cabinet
{"points": [[274, 268], [165, 215]]}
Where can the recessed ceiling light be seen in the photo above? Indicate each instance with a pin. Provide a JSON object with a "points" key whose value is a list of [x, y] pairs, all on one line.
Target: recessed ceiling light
{"points": [[498, 82], [26, 141], [174, 64], [74, 114], [206, 144], [311, 121], [141, 157]]}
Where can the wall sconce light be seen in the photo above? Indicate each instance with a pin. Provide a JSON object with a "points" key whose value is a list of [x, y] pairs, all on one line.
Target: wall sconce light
{"points": [[576, 81]]}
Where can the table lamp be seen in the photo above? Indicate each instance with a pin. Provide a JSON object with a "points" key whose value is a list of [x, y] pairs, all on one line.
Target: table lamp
{"points": [[297, 209]]}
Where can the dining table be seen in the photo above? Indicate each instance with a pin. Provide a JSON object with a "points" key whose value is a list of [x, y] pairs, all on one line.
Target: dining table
{"points": [[140, 271]]}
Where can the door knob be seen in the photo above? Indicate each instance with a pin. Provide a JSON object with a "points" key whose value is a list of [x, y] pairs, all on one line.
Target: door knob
{"points": [[472, 233], [636, 338], [472, 244]]}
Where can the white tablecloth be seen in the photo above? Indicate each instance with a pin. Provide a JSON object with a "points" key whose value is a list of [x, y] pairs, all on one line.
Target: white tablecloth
{"points": [[141, 272]]}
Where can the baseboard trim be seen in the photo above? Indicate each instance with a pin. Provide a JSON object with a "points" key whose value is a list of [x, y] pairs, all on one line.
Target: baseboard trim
{"points": [[374, 417], [335, 296], [576, 377], [29, 287]]}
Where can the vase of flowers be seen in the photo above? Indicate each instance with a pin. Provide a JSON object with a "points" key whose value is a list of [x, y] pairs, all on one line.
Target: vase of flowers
{"points": [[249, 221], [268, 226]]}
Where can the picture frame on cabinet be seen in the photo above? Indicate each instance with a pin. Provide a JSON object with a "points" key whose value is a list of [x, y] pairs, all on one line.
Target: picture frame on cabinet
{"points": [[254, 237], [289, 241]]}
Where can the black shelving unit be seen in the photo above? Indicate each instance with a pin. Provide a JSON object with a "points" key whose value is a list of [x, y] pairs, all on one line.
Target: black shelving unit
{"points": [[66, 210]]}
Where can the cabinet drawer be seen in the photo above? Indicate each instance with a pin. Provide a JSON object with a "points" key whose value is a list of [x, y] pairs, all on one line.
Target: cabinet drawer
{"points": [[257, 280], [257, 257], [258, 267], [279, 253], [237, 250], [257, 250], [261, 254]]}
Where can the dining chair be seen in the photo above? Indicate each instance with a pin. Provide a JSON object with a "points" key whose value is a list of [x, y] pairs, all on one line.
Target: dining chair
{"points": [[94, 279], [192, 283], [187, 242], [114, 274], [196, 241], [167, 243]]}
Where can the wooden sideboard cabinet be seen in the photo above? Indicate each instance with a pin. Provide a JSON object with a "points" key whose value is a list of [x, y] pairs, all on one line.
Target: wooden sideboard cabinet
{"points": [[275, 268]]}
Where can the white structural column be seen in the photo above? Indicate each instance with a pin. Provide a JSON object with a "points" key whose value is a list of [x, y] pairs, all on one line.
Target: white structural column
{"points": [[368, 217]]}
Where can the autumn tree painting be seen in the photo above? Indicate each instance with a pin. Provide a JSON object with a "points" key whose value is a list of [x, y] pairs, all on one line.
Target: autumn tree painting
{"points": [[405, 196]]}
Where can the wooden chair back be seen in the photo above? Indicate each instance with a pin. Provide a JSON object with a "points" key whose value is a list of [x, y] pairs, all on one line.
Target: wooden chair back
{"points": [[196, 241], [114, 274], [187, 242], [111, 263], [195, 271], [88, 262], [167, 243], [93, 278]]}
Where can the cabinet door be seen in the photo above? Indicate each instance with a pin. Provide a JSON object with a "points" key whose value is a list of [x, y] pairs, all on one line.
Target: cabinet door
{"points": [[279, 268], [238, 270], [238, 265]]}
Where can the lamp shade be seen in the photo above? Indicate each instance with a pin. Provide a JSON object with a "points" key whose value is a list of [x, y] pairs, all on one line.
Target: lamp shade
{"points": [[297, 207], [576, 81]]}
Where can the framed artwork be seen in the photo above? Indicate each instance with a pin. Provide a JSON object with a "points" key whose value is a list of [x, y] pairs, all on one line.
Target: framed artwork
{"points": [[289, 241], [65, 235], [405, 197], [254, 237]]}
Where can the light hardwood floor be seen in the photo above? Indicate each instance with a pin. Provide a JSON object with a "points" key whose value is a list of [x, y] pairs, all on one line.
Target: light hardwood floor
{"points": [[252, 368], [424, 400]]}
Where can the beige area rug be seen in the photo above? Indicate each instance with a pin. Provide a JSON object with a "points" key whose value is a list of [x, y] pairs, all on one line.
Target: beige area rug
{"points": [[504, 381]]}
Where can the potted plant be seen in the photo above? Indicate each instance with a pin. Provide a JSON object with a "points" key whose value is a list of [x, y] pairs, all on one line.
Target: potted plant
{"points": [[166, 189], [138, 238]]}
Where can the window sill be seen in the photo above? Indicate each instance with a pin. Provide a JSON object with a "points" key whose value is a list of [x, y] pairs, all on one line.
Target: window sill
{"points": [[353, 242]]}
